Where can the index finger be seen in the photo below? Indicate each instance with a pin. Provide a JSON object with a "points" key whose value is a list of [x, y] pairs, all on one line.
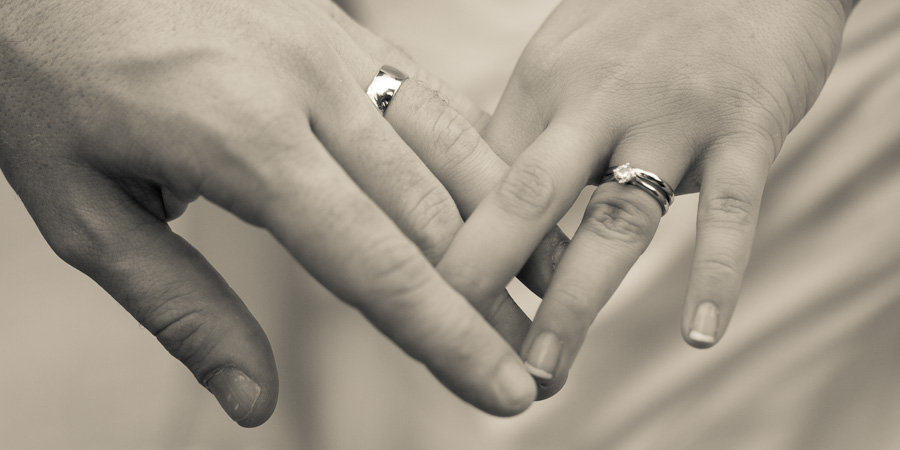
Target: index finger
{"points": [[346, 242]]}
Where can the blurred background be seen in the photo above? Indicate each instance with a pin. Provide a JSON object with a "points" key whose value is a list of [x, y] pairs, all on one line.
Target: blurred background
{"points": [[811, 361]]}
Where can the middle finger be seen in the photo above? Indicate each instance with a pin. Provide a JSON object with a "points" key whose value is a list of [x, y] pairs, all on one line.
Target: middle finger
{"points": [[618, 225], [384, 166], [515, 216]]}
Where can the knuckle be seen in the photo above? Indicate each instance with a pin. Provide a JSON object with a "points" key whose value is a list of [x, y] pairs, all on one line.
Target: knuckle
{"points": [[463, 326], [730, 207], [435, 221], [454, 139], [72, 246], [458, 326], [573, 304], [183, 332], [617, 220], [721, 267], [545, 58], [527, 191], [89, 240], [394, 271], [267, 183]]}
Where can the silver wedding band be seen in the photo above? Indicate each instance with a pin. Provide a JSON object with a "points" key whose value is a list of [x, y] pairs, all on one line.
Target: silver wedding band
{"points": [[384, 86], [647, 181]]}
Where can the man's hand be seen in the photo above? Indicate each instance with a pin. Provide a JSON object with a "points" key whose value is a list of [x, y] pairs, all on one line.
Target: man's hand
{"points": [[115, 115]]}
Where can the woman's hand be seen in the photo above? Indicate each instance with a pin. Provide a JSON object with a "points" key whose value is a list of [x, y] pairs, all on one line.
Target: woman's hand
{"points": [[115, 115], [701, 93]]}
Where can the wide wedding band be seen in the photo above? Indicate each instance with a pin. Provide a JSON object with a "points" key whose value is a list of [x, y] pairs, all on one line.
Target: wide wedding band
{"points": [[384, 86], [647, 181]]}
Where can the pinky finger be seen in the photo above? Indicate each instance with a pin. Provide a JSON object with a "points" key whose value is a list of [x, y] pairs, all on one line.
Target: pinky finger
{"points": [[730, 193]]}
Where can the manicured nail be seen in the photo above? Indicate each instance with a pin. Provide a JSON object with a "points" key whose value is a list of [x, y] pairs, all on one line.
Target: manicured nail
{"points": [[543, 356], [706, 320], [515, 386], [235, 391]]}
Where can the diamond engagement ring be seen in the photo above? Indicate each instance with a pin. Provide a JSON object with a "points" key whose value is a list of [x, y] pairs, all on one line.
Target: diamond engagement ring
{"points": [[650, 183], [384, 86]]}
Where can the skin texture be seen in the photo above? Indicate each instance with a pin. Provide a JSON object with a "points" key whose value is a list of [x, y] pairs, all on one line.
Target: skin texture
{"points": [[115, 115], [701, 93]]}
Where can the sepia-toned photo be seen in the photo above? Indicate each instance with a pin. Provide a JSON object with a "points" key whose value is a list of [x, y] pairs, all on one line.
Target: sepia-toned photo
{"points": [[450, 224]]}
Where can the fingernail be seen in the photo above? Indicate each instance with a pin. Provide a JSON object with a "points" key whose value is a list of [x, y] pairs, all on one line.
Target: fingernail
{"points": [[235, 391], [558, 253], [706, 320], [543, 356], [516, 387]]}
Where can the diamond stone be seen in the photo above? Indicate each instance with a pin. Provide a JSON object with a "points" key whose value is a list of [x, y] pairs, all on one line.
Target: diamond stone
{"points": [[624, 173]]}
